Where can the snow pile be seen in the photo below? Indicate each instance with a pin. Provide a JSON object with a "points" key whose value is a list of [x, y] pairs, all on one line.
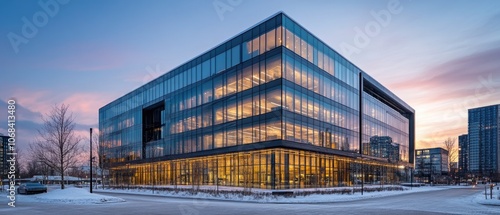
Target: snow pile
{"points": [[485, 200], [70, 195]]}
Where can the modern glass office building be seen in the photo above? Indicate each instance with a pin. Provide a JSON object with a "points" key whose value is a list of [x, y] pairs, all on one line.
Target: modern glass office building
{"points": [[273, 107], [484, 131], [431, 164]]}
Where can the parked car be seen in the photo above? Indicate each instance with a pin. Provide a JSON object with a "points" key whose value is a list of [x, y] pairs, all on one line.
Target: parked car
{"points": [[27, 188]]}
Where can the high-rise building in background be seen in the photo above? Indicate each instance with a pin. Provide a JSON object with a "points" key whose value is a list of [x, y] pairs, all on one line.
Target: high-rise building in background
{"points": [[431, 164], [273, 107], [463, 155], [483, 133]]}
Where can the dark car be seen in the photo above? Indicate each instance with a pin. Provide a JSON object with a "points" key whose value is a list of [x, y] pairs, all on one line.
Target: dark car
{"points": [[27, 188]]}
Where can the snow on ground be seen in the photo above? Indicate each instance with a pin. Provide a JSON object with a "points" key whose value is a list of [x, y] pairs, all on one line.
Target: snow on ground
{"points": [[264, 196], [69, 195], [481, 199]]}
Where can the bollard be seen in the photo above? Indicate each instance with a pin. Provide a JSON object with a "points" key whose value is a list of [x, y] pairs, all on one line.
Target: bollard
{"points": [[491, 191], [485, 193]]}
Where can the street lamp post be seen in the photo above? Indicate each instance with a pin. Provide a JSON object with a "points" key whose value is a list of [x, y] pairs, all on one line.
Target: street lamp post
{"points": [[411, 177], [90, 160], [362, 177]]}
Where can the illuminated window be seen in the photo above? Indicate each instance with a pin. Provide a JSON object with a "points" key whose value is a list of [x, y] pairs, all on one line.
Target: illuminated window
{"points": [[270, 40]]}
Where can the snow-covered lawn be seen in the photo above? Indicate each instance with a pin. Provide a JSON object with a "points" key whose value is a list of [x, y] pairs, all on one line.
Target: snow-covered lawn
{"points": [[71, 195], [265, 196], [481, 199]]}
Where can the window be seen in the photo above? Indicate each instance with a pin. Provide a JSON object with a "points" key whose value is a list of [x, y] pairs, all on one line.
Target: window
{"points": [[231, 112], [296, 47], [278, 36], [231, 138], [235, 55], [273, 100], [247, 107], [262, 42], [273, 66], [270, 40], [219, 140], [246, 79], [246, 52], [220, 114], [289, 68], [219, 87], [231, 83], [247, 135], [256, 76], [207, 92], [289, 39], [207, 117], [229, 57], [254, 50], [220, 62]]}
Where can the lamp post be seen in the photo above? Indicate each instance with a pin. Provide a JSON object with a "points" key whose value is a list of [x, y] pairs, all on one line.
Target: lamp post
{"points": [[411, 177], [362, 177], [90, 160]]}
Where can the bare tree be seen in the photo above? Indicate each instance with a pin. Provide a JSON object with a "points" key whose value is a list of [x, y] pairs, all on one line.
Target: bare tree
{"points": [[101, 161], [18, 165], [58, 146], [32, 168], [449, 145]]}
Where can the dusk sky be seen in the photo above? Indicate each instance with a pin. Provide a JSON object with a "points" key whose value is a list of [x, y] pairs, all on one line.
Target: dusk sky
{"points": [[441, 57]]}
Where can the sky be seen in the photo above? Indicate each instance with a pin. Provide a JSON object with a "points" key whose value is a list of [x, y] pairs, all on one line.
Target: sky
{"points": [[441, 57]]}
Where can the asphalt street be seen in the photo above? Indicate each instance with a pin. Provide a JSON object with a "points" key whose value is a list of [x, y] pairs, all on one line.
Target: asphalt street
{"points": [[449, 201]]}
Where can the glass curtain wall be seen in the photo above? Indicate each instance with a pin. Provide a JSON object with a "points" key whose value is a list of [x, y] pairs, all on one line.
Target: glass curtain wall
{"points": [[200, 101], [268, 169], [385, 131], [274, 81]]}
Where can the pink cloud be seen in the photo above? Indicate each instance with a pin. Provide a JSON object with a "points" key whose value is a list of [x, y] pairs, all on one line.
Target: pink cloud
{"points": [[35, 103], [441, 95], [85, 106]]}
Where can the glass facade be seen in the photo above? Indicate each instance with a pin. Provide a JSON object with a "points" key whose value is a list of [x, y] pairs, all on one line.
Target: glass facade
{"points": [[385, 131], [484, 131], [463, 154], [272, 93], [267, 169]]}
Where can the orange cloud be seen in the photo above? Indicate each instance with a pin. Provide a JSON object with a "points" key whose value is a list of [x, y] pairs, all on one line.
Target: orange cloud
{"points": [[441, 95]]}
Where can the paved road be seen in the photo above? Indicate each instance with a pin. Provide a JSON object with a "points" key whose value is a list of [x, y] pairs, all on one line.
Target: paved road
{"points": [[450, 201]]}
